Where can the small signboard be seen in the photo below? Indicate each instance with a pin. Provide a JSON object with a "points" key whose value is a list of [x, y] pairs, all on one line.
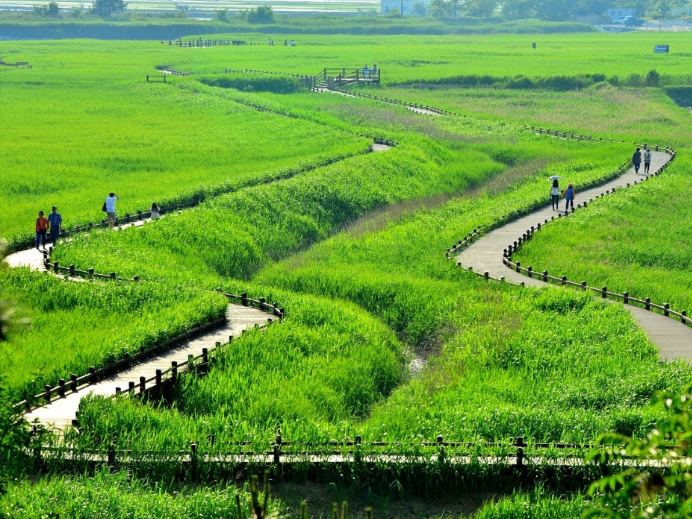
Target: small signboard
{"points": [[661, 49]]}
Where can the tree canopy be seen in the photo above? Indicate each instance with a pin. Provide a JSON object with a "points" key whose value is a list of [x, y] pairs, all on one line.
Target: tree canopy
{"points": [[107, 8]]}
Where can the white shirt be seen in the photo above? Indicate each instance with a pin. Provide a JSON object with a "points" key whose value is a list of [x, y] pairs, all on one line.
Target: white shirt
{"points": [[555, 191], [110, 204]]}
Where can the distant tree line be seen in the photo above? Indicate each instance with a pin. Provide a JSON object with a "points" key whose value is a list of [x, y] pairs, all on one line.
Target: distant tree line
{"points": [[551, 10]]}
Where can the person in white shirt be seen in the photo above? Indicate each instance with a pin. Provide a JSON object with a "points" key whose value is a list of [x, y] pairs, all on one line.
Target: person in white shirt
{"points": [[110, 209], [155, 214], [555, 195]]}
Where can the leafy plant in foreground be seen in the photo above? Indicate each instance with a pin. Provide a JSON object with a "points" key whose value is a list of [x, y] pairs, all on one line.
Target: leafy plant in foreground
{"points": [[664, 488]]}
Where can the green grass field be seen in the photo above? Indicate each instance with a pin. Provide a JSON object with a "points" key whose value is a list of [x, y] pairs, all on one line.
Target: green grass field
{"points": [[383, 336]]}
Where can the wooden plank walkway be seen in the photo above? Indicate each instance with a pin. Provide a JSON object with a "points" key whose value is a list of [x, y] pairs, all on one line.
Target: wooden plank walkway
{"points": [[60, 412], [33, 258], [674, 339]]}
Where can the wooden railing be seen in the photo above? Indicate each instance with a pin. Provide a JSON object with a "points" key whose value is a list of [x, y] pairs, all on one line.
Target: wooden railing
{"points": [[398, 102], [278, 451], [18, 64], [306, 80], [205, 43], [76, 382], [562, 280], [568, 135]]}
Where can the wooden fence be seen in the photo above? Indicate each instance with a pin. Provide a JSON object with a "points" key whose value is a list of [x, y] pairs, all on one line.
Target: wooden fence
{"points": [[18, 64], [200, 43], [172, 72], [562, 280], [279, 451], [568, 135], [77, 382]]}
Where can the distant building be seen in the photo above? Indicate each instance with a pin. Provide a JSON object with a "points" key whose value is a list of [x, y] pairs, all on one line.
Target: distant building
{"points": [[405, 7], [614, 14]]}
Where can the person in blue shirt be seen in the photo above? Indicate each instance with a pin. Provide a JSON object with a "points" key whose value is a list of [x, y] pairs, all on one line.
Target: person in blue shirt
{"points": [[110, 209], [569, 193], [55, 224]]}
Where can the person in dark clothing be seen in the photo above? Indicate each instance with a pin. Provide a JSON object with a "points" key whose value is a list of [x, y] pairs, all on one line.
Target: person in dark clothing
{"points": [[637, 160], [569, 193], [55, 224]]}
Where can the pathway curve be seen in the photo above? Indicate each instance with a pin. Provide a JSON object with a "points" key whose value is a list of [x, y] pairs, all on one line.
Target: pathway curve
{"points": [[674, 339], [33, 258], [60, 411]]}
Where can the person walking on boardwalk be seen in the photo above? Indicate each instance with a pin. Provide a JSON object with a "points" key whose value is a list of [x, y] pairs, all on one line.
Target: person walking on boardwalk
{"points": [[373, 72], [637, 160], [41, 228], [55, 224], [569, 193], [110, 209], [366, 71], [155, 214], [555, 195], [647, 159]]}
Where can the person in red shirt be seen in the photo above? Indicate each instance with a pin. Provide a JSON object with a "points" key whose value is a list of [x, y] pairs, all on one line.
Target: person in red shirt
{"points": [[41, 228]]}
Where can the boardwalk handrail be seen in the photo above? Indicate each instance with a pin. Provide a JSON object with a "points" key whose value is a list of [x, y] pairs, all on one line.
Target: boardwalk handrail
{"points": [[94, 374], [546, 277]]}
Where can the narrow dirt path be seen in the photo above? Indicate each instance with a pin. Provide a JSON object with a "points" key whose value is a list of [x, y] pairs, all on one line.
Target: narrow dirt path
{"points": [[674, 339]]}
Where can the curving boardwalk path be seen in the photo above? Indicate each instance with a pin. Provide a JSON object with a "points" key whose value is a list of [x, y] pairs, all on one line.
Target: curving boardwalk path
{"points": [[674, 339], [60, 412]]}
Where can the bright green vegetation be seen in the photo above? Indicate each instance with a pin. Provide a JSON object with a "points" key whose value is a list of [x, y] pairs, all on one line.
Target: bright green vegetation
{"points": [[383, 337], [602, 111], [405, 59], [146, 142], [118, 496], [392, 267], [65, 327], [635, 241]]}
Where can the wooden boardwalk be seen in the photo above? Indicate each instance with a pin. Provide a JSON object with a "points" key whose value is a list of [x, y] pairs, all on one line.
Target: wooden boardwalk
{"points": [[60, 412], [33, 258], [674, 339]]}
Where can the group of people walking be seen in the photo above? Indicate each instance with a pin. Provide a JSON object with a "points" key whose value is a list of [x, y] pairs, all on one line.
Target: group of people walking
{"points": [[568, 193], [637, 159], [48, 229], [43, 225]]}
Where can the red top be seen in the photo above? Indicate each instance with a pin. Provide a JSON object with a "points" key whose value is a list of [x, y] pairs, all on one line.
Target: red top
{"points": [[41, 223]]}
